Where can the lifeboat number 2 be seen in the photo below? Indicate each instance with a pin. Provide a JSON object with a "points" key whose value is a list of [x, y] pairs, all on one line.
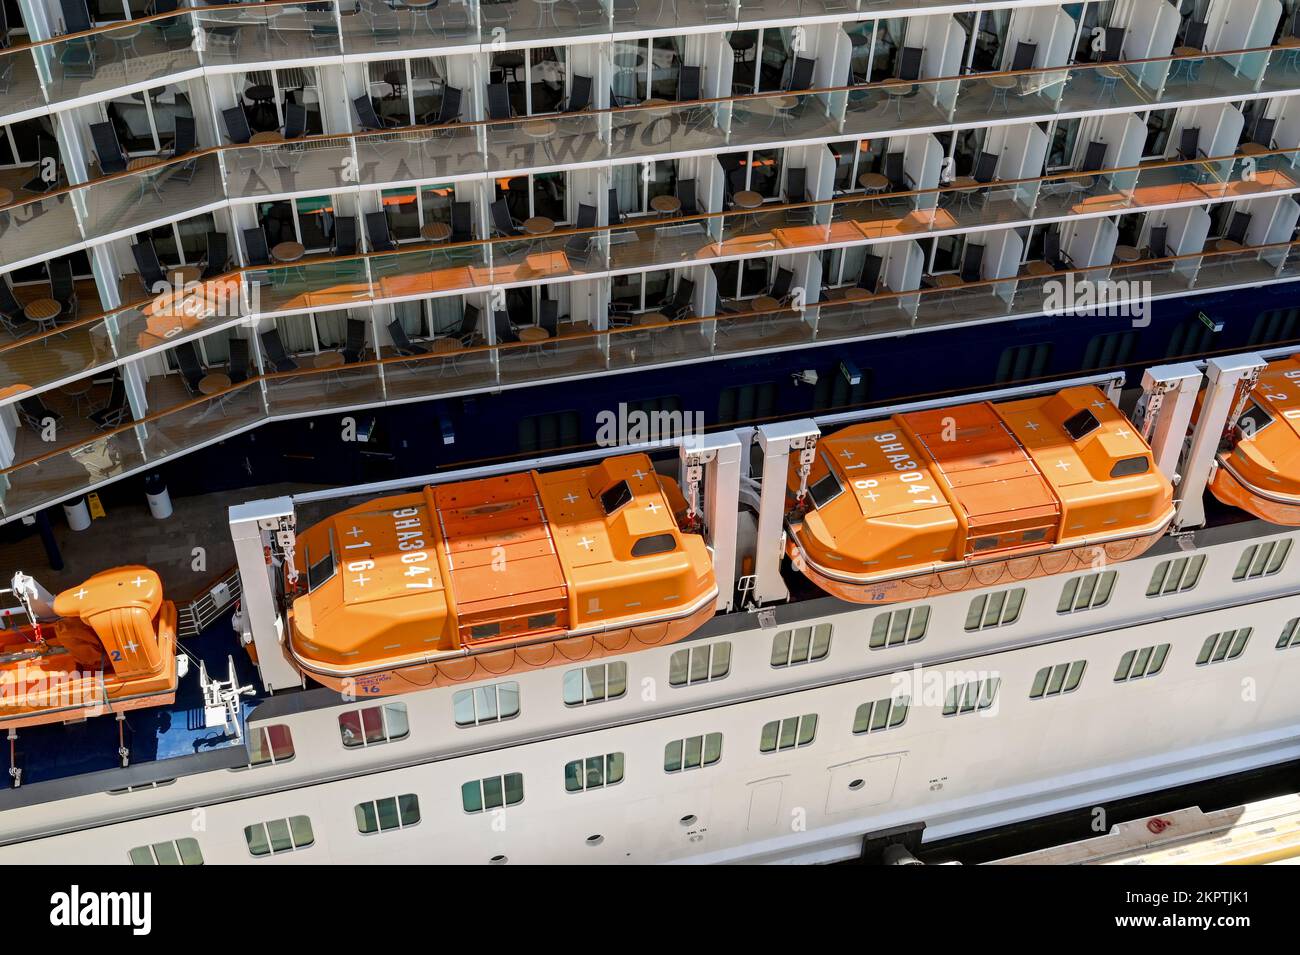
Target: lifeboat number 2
{"points": [[901, 461]]}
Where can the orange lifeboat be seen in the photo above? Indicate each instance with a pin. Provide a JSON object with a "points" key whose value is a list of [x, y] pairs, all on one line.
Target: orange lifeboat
{"points": [[1260, 470], [477, 579], [933, 502], [112, 648]]}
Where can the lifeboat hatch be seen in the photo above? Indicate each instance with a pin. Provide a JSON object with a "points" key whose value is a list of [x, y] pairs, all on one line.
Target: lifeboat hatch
{"points": [[505, 576]]}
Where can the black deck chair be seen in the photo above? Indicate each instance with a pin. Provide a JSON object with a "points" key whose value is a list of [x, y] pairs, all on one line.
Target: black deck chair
{"points": [[367, 119], [273, 349], [1023, 58], [1094, 157], [238, 367], [986, 164], [34, 411], [971, 261], [468, 330], [1195, 35], [295, 121], [184, 142], [187, 358], [47, 150], [217, 257], [345, 236], [1188, 143], [235, 120], [733, 183], [548, 316], [256, 250], [781, 285], [76, 16], [114, 410], [108, 150], [680, 304], [462, 222], [1053, 255], [686, 196], [355, 346], [12, 316], [150, 269], [579, 95], [1263, 132], [1114, 48], [448, 110], [503, 221], [689, 84], [377, 233], [505, 329], [893, 170], [1157, 241], [613, 214], [1237, 227], [580, 245], [498, 101], [909, 63], [405, 347], [869, 276], [801, 74], [63, 289]]}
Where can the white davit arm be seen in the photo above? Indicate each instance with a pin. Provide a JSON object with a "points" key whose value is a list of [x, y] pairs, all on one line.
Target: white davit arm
{"points": [[36, 600]]}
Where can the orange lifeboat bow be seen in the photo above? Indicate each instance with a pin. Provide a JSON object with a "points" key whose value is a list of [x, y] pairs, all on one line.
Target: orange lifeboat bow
{"points": [[112, 648], [1260, 471], [477, 579], [976, 495]]}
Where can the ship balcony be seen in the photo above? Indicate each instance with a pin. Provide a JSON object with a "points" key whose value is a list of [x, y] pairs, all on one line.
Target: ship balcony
{"points": [[290, 366]]}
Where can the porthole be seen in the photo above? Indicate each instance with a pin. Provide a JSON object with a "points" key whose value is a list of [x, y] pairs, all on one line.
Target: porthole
{"points": [[498, 860], [595, 840], [688, 819], [857, 784]]}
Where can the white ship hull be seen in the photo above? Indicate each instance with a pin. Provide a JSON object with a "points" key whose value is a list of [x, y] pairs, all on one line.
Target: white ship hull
{"points": [[1019, 759]]}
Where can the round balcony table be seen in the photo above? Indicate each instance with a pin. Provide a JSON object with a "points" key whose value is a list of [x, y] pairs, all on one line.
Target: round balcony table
{"points": [[783, 108], [421, 9], [44, 312], [894, 91], [533, 336], [747, 201], [873, 184], [666, 205], [435, 232], [964, 189], [855, 294], [546, 9], [656, 102], [124, 40], [1291, 56], [764, 304], [510, 63], [261, 95], [539, 225], [449, 349], [396, 79], [542, 131], [216, 383], [148, 180], [1002, 87], [1189, 66], [78, 391], [947, 284], [267, 143], [1227, 245], [1126, 253], [183, 275], [1037, 267], [1246, 149], [328, 362], [287, 253]]}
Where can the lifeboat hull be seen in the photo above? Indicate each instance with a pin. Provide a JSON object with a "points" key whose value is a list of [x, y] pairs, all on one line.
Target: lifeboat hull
{"points": [[47, 690], [496, 663], [1233, 491], [993, 573]]}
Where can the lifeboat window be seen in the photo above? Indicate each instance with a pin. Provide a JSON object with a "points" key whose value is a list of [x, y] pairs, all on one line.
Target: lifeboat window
{"points": [[1223, 646], [482, 631], [1136, 664], [595, 684], [1081, 424], [1034, 536], [279, 835], [801, 645], [615, 497], [320, 571], [881, 714], [269, 745], [1127, 467], [971, 696], [541, 621], [1262, 560], [825, 490], [985, 543], [1176, 576], [788, 733], [1086, 592], [486, 704], [175, 852], [494, 792], [373, 725], [700, 664], [594, 772], [654, 544], [995, 610], [391, 812], [692, 752], [1290, 634], [1055, 680], [898, 627], [1253, 420]]}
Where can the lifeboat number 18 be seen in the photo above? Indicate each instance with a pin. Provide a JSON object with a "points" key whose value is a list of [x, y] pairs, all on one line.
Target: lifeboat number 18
{"points": [[896, 454]]}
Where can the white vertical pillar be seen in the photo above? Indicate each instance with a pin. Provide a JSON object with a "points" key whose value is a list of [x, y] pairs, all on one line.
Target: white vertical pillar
{"points": [[252, 527], [1165, 411], [719, 456], [777, 441]]}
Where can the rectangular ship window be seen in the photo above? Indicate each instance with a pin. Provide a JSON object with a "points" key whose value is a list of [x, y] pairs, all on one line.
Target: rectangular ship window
{"points": [[1136, 664], [971, 696], [270, 745], [700, 664], [1262, 560], [1087, 592], [595, 684], [788, 733], [801, 645], [372, 725], [1227, 645], [493, 792], [898, 627], [1176, 576], [176, 852], [995, 610], [486, 704], [881, 714], [279, 835], [1055, 680], [692, 752], [1290, 636], [594, 772], [391, 812]]}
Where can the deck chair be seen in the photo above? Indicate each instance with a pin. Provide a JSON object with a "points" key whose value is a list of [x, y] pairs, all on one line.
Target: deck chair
{"points": [[971, 262], [404, 346], [345, 236], [1158, 244], [1189, 150], [504, 328], [47, 151], [462, 222], [367, 119], [467, 333], [579, 95], [377, 234], [733, 183], [502, 221], [1023, 58], [1053, 255], [1194, 38], [796, 190], [33, 412], [108, 150], [187, 359], [295, 121], [273, 349], [548, 316], [149, 268], [613, 214], [909, 63], [869, 276], [448, 110], [256, 250], [184, 142], [217, 257], [63, 289], [781, 285], [498, 101], [235, 120], [690, 90], [679, 306], [238, 366], [1094, 160], [580, 245], [12, 316], [355, 346], [1263, 132], [801, 74], [1114, 47], [1237, 227], [76, 16], [685, 190], [893, 170], [986, 165], [114, 410]]}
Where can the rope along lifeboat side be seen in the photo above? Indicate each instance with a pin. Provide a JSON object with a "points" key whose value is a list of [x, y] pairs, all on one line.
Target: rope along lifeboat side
{"points": [[477, 579], [976, 495], [109, 646], [1259, 472]]}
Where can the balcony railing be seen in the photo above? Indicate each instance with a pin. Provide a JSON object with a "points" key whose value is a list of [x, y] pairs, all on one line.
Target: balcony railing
{"points": [[43, 475]]}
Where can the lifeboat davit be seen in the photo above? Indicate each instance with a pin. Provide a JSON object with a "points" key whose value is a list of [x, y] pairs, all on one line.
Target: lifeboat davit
{"points": [[977, 495], [478, 579], [110, 647], [1259, 472]]}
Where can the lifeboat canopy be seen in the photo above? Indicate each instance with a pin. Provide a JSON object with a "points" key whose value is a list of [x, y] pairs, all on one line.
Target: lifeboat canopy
{"points": [[1259, 472]]}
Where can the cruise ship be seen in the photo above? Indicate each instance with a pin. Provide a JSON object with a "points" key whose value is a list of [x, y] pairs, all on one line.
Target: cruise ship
{"points": [[738, 430]]}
